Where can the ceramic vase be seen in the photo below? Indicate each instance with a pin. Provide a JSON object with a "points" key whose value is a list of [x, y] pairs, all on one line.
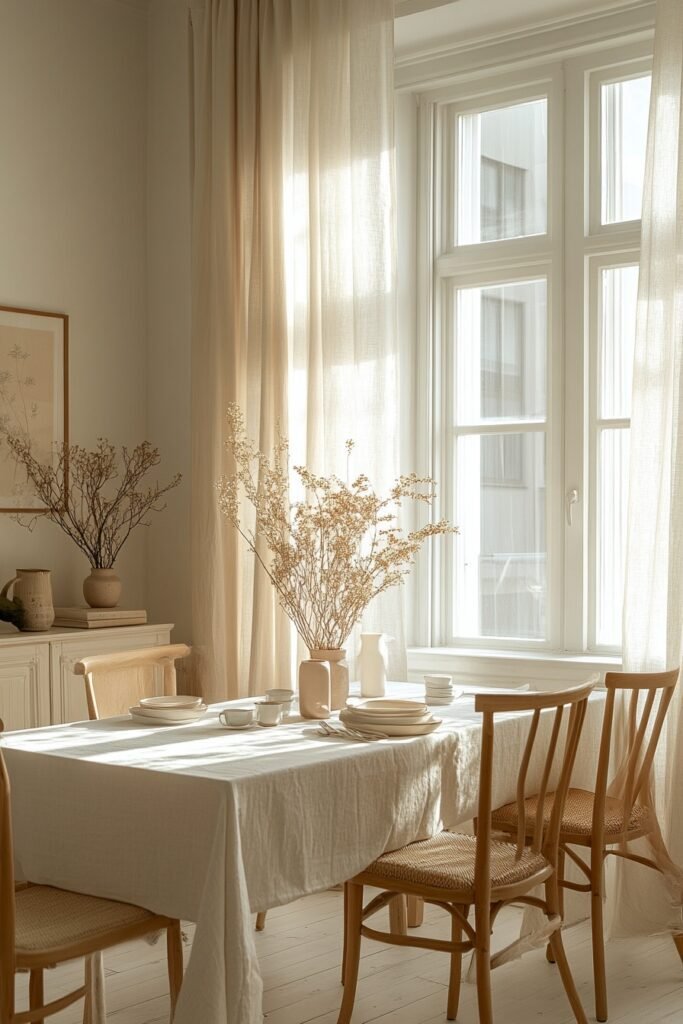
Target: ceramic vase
{"points": [[314, 689], [372, 665], [102, 588], [339, 674], [32, 587]]}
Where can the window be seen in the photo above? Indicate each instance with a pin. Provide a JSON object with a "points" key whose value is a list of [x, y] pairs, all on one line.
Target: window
{"points": [[533, 211]]}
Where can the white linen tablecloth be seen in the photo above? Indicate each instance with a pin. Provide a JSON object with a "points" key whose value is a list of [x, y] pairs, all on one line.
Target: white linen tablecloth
{"points": [[209, 825]]}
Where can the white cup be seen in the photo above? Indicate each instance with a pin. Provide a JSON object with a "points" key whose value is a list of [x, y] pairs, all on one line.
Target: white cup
{"points": [[236, 718], [283, 697], [268, 712]]}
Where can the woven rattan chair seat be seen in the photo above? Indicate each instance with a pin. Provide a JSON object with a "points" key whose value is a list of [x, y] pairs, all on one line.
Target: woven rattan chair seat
{"points": [[578, 814], [48, 918], [446, 861]]}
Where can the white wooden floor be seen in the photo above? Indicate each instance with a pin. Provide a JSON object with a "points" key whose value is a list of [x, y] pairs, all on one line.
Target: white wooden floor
{"points": [[300, 954]]}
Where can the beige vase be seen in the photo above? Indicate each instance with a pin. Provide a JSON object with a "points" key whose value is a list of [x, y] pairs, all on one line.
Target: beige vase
{"points": [[33, 588], [102, 588], [339, 675], [314, 689]]}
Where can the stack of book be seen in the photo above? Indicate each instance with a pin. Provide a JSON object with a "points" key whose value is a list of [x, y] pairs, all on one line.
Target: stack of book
{"points": [[98, 618]]}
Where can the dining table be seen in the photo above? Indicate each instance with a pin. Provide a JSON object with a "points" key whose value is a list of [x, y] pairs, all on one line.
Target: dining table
{"points": [[210, 825]]}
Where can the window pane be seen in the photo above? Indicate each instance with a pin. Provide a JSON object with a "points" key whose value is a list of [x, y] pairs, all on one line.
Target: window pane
{"points": [[500, 352], [624, 114], [500, 554], [618, 296], [613, 464], [503, 173]]}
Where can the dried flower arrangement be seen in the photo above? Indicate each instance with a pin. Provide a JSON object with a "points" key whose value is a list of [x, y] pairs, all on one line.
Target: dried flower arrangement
{"points": [[94, 496], [332, 553]]}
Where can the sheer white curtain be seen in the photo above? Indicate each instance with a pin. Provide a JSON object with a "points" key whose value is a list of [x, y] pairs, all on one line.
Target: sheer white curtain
{"points": [[293, 284], [653, 598]]}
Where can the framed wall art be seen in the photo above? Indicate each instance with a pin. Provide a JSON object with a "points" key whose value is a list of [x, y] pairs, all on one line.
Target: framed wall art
{"points": [[33, 395]]}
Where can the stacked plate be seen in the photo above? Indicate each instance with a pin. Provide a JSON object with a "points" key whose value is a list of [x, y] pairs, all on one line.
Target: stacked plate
{"points": [[382, 716], [168, 710], [439, 690]]}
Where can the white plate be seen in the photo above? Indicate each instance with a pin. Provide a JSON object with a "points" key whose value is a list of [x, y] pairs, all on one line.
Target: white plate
{"points": [[391, 729], [167, 715], [440, 700], [360, 718], [177, 701], [385, 706]]}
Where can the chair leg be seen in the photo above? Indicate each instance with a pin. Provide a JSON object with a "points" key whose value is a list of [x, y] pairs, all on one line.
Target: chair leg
{"points": [[482, 958], [261, 921], [416, 911], [174, 949], [560, 958], [549, 955], [36, 997], [346, 914], [678, 941], [456, 967], [354, 921], [598, 937], [398, 922], [94, 1010]]}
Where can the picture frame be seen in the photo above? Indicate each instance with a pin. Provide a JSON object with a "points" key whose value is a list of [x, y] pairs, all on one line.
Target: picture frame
{"points": [[34, 394]]}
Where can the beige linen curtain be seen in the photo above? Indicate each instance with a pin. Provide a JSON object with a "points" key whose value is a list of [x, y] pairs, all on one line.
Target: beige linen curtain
{"points": [[653, 598], [293, 284]]}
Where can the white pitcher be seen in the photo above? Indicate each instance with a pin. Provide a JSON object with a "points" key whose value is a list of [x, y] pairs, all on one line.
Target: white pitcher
{"points": [[33, 589], [372, 663]]}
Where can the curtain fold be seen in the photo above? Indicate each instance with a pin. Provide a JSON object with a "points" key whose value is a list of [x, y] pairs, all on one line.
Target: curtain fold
{"points": [[653, 597], [293, 285]]}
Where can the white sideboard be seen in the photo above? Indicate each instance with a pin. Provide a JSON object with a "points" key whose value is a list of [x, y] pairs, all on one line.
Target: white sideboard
{"points": [[37, 683]]}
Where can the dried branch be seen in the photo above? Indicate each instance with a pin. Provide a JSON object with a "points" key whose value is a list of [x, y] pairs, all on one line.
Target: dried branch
{"points": [[94, 496], [334, 552]]}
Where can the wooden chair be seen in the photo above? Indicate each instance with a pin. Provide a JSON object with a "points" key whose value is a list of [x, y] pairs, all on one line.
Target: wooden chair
{"points": [[600, 822], [456, 872], [43, 926], [115, 682]]}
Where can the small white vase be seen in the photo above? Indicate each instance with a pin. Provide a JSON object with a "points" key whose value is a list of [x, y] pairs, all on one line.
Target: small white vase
{"points": [[102, 588], [372, 664]]}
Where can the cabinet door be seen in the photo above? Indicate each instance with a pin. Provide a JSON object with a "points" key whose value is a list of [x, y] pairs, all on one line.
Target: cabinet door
{"points": [[24, 686], [68, 690]]}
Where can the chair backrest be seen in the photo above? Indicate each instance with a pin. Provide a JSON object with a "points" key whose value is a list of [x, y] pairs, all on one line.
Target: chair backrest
{"points": [[6, 898], [115, 682], [647, 705], [546, 835]]}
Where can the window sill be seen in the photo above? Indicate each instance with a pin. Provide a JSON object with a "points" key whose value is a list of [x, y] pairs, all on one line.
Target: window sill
{"points": [[543, 669]]}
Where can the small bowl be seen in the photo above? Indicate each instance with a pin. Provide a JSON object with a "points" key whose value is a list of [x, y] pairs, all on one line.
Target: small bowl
{"points": [[280, 696], [175, 701]]}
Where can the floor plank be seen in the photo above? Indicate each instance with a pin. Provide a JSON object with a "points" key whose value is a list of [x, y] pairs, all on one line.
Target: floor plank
{"points": [[300, 954]]}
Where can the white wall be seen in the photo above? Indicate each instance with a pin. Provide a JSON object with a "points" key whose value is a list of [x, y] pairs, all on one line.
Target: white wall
{"points": [[72, 205]]}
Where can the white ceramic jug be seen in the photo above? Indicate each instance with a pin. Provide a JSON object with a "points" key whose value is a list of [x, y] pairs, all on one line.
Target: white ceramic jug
{"points": [[372, 663], [33, 589]]}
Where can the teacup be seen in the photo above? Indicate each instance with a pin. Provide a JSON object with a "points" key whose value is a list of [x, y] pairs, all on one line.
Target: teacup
{"points": [[236, 718], [268, 712], [283, 697]]}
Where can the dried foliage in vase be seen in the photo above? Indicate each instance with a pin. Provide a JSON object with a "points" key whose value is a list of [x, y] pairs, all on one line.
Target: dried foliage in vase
{"points": [[95, 496], [331, 554]]}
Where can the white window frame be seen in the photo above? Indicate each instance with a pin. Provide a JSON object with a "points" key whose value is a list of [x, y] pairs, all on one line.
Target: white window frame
{"points": [[579, 243]]}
